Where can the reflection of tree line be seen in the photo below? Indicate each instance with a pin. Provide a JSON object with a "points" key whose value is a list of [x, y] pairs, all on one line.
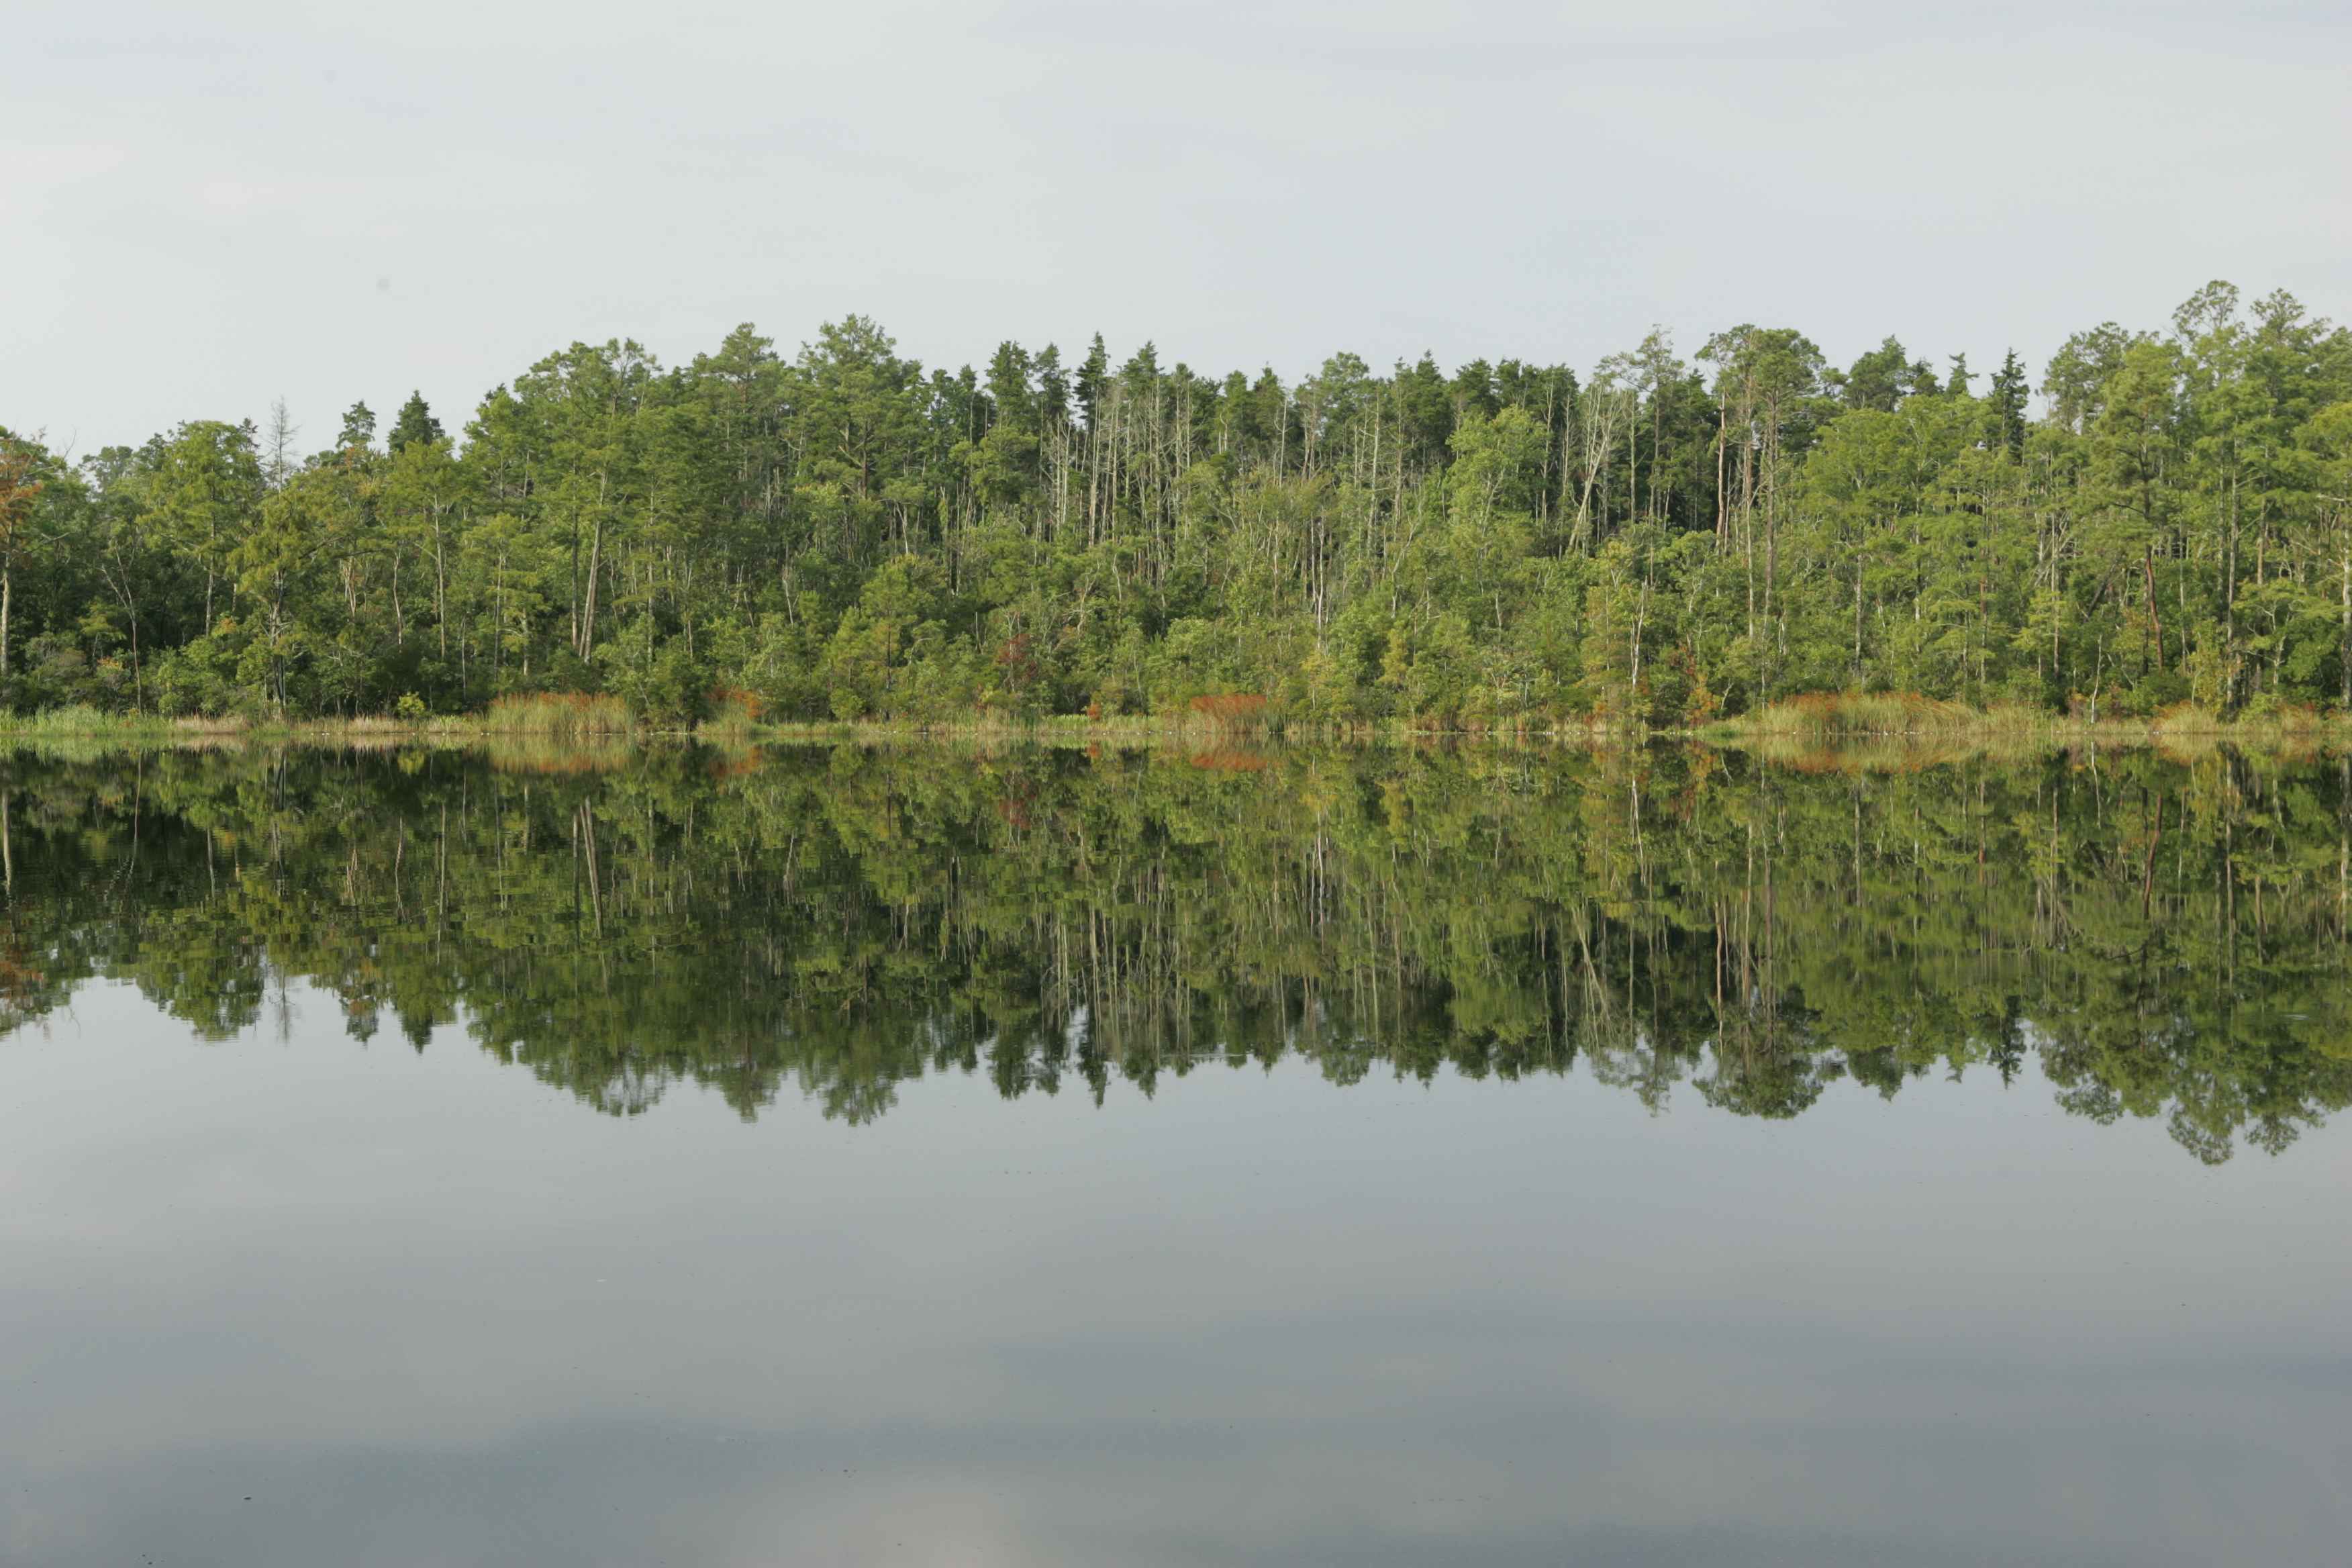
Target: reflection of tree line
{"points": [[2170, 939]]}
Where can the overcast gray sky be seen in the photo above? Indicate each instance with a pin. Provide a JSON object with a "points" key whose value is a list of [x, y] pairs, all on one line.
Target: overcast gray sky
{"points": [[204, 206]]}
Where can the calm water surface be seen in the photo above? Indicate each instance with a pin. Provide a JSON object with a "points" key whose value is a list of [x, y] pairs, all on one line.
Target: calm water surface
{"points": [[1043, 1158]]}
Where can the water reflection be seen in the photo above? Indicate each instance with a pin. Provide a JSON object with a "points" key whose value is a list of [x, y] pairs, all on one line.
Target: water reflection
{"points": [[2167, 936]]}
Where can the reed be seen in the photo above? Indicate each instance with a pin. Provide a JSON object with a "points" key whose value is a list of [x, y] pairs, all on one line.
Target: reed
{"points": [[1229, 709], [559, 715], [1835, 728], [732, 713], [1861, 715]]}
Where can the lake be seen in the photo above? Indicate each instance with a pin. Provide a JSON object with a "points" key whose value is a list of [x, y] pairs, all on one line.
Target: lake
{"points": [[917, 1154]]}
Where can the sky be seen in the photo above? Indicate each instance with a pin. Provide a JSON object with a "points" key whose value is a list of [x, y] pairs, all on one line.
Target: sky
{"points": [[205, 208]]}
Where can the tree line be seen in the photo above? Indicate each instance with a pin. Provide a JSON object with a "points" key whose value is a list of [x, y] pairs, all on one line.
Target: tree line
{"points": [[839, 533], [2166, 940]]}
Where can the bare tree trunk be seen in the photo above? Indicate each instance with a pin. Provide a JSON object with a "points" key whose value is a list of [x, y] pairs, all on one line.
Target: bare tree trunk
{"points": [[1722, 499], [588, 606], [1857, 621]]}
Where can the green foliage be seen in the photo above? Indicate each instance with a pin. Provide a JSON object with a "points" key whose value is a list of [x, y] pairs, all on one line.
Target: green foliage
{"points": [[841, 530], [657, 678], [414, 425]]}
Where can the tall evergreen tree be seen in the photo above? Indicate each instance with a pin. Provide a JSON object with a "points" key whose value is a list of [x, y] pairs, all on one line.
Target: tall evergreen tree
{"points": [[359, 428], [414, 423], [2008, 394]]}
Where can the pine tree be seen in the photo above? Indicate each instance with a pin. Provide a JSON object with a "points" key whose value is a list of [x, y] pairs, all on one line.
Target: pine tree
{"points": [[1093, 373], [359, 428], [2009, 402], [1883, 377], [416, 422]]}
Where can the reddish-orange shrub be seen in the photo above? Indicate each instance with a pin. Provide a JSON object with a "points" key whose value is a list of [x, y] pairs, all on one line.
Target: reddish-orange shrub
{"points": [[1230, 706]]}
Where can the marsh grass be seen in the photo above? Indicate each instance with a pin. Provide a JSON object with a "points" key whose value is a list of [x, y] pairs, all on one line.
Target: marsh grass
{"points": [[1846, 720], [558, 715]]}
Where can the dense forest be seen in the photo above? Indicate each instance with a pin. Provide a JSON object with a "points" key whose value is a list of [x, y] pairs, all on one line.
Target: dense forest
{"points": [[839, 534], [2166, 940]]}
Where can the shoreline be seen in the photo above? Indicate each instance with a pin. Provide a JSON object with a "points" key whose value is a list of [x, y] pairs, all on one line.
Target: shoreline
{"points": [[1808, 727]]}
